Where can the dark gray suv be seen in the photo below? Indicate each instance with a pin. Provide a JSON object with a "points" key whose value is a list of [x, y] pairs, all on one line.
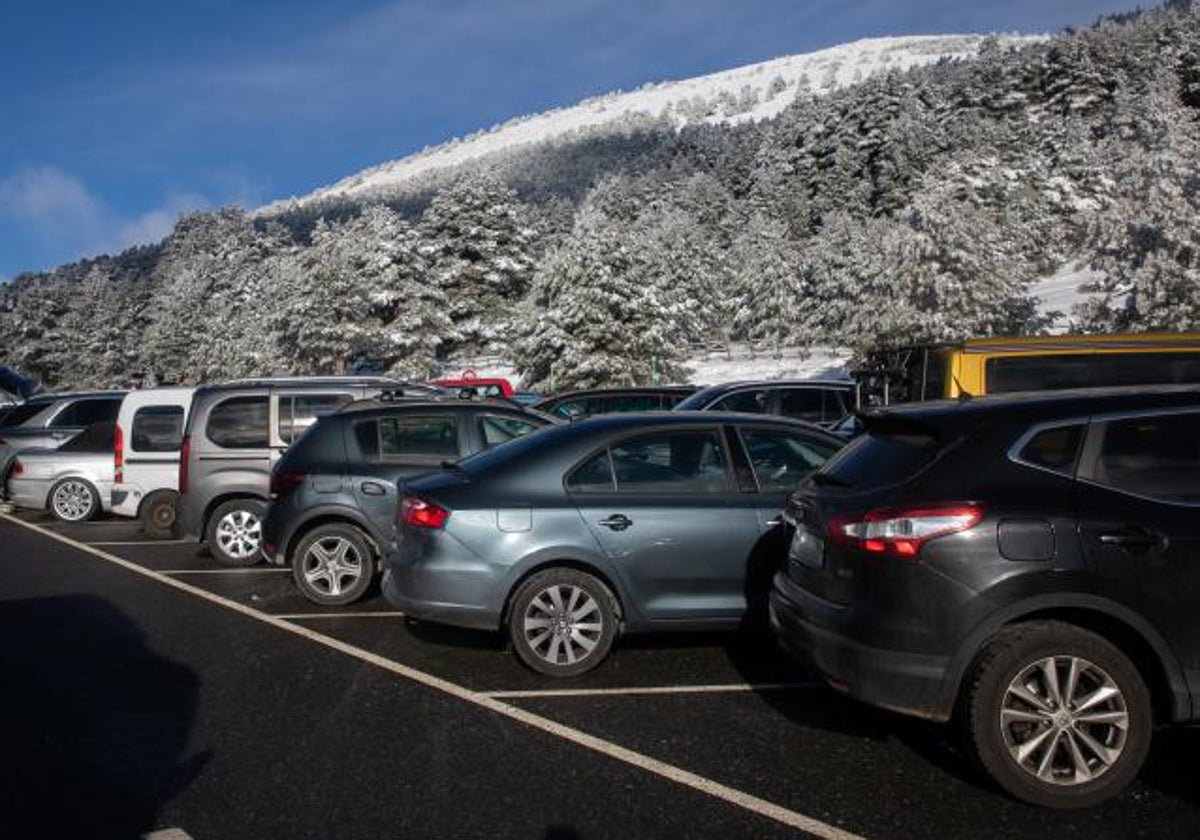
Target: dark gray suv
{"points": [[235, 434], [334, 494]]}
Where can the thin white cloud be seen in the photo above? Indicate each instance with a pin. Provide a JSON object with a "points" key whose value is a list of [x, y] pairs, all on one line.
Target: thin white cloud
{"points": [[57, 210]]}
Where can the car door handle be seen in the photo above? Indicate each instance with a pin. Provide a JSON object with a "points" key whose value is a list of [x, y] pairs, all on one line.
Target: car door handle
{"points": [[617, 522], [1132, 539], [371, 488]]}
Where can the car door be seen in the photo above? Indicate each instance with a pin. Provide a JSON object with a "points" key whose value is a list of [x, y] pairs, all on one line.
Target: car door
{"points": [[395, 447], [663, 505], [1138, 494], [772, 461]]}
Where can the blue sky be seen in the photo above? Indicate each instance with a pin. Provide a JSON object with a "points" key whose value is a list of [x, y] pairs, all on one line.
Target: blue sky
{"points": [[117, 116]]}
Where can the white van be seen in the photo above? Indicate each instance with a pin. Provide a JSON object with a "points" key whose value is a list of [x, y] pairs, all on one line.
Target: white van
{"points": [[146, 456]]}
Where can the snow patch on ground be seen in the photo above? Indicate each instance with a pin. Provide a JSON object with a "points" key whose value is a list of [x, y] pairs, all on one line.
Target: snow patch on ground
{"points": [[754, 92]]}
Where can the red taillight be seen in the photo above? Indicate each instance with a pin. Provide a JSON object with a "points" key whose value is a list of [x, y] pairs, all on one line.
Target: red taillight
{"points": [[901, 532], [284, 482], [118, 455], [422, 514], [17, 468], [185, 449]]}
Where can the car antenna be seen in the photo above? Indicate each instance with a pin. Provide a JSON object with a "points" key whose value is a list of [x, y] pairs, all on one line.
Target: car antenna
{"points": [[963, 394]]}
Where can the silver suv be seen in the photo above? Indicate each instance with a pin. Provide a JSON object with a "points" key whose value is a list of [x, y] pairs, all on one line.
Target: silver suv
{"points": [[235, 433]]}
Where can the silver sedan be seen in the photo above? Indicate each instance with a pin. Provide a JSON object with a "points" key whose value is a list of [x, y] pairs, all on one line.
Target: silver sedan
{"points": [[73, 482]]}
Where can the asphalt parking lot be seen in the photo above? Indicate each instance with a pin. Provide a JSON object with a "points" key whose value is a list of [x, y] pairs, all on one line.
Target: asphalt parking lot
{"points": [[146, 687]]}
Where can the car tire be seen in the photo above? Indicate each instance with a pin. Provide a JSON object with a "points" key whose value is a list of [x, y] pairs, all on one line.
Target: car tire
{"points": [[73, 500], [234, 532], [562, 622], [1057, 715], [157, 514], [333, 565]]}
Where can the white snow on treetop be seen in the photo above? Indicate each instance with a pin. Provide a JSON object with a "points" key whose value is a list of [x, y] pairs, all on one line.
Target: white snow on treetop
{"points": [[754, 92]]}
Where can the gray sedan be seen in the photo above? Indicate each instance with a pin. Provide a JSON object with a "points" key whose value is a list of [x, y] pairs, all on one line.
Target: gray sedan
{"points": [[635, 522], [73, 482]]}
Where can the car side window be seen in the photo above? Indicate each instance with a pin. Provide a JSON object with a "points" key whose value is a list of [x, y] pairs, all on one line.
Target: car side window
{"points": [[496, 429], [1053, 449], [756, 401], [569, 409], [782, 459], [671, 462], [87, 412], [424, 437], [157, 428], [298, 412], [593, 476], [1155, 456], [239, 423]]}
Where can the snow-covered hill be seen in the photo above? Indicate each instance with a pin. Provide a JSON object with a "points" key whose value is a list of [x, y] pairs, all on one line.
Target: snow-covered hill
{"points": [[753, 92]]}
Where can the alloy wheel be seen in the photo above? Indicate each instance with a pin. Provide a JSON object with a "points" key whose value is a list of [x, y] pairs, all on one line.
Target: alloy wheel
{"points": [[332, 565], [563, 624], [239, 533], [73, 501], [1064, 720]]}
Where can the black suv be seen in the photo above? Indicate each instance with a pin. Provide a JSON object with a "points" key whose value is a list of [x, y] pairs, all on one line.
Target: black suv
{"points": [[334, 492], [1028, 565]]}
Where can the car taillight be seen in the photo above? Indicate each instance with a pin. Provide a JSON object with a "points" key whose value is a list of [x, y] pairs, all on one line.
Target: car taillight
{"points": [[284, 482], [185, 449], [422, 514], [901, 532], [17, 468], [118, 455]]}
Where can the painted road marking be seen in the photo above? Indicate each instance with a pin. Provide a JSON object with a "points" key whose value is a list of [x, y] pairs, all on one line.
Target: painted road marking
{"points": [[720, 688], [139, 542], [168, 834], [306, 616], [715, 789]]}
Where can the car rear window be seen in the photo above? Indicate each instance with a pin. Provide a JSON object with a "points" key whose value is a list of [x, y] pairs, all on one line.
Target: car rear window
{"points": [[22, 413], [877, 459], [157, 428]]}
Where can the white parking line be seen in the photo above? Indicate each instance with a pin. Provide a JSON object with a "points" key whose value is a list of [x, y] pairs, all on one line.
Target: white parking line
{"points": [[138, 542], [249, 571], [578, 737], [306, 616], [720, 688]]}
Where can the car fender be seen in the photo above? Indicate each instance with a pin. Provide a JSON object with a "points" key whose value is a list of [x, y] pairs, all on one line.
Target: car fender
{"points": [[1047, 603], [573, 556], [345, 513]]}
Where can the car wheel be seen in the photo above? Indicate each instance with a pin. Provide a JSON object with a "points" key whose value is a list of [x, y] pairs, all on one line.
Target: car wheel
{"points": [[157, 515], [74, 500], [1058, 716], [235, 532], [333, 565], [562, 622]]}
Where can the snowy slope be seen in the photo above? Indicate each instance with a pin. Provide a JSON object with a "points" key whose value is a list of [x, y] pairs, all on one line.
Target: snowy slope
{"points": [[753, 92]]}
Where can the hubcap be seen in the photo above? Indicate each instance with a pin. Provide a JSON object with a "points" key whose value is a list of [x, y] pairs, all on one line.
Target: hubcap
{"points": [[563, 624], [163, 515], [72, 500], [1064, 720], [239, 533], [332, 565]]}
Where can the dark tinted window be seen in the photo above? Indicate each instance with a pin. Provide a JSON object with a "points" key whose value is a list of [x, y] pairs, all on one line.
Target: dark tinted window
{"points": [[157, 428], [628, 402], [875, 460], [672, 400], [756, 401], [367, 435], [298, 412], [671, 462], [87, 412], [428, 436], [496, 429], [1045, 373], [1157, 457], [98, 437], [594, 476], [1054, 449], [19, 414], [568, 409], [239, 423], [782, 459]]}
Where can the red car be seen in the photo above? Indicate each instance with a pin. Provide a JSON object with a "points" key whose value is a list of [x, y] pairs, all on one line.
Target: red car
{"points": [[482, 386]]}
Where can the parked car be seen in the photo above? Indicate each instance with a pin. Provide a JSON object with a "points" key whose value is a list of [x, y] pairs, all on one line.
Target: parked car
{"points": [[476, 386], [575, 405], [1026, 565], [334, 494], [48, 420], [633, 522], [817, 401], [234, 435], [149, 436], [73, 481]]}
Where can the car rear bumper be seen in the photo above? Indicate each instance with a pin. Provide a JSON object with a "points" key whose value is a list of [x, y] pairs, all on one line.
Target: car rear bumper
{"points": [[30, 494], [405, 592], [909, 683]]}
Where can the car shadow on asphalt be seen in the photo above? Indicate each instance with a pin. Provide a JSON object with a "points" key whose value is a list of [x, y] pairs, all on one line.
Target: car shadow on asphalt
{"points": [[93, 724]]}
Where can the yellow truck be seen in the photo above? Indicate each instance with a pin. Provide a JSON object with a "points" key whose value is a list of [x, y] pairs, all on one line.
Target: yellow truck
{"points": [[979, 366]]}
